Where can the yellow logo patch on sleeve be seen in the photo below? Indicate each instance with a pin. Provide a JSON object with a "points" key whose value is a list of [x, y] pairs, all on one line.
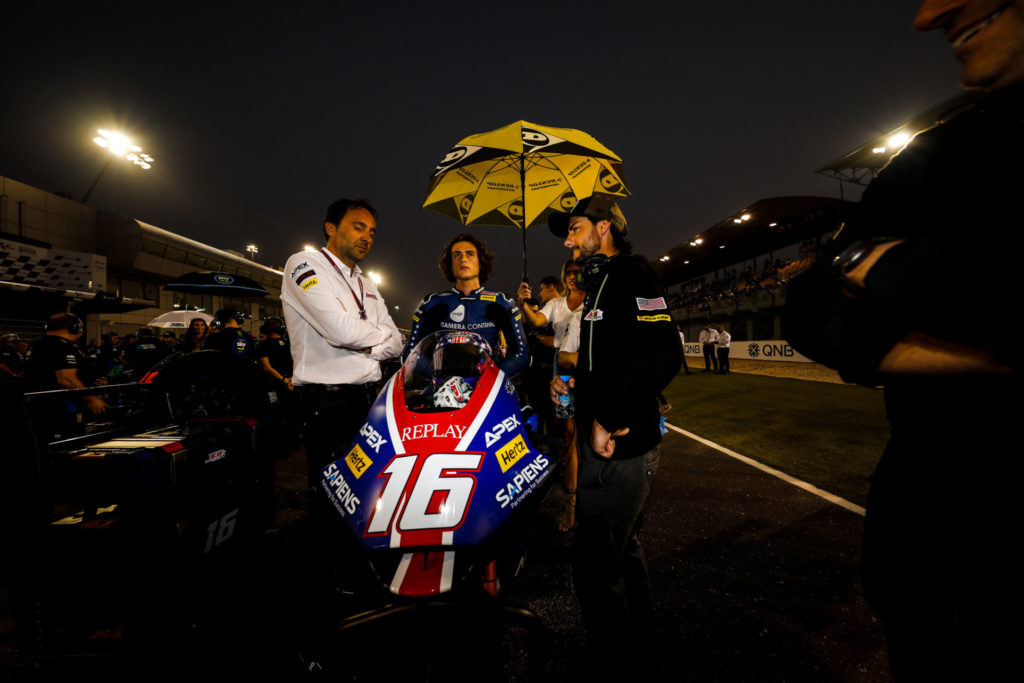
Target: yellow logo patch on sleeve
{"points": [[311, 282], [654, 318]]}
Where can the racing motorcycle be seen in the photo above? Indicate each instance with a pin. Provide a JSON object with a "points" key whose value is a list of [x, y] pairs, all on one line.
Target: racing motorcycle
{"points": [[439, 484]]}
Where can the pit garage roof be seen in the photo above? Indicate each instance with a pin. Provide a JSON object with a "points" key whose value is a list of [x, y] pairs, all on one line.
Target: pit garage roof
{"points": [[762, 227], [861, 165]]}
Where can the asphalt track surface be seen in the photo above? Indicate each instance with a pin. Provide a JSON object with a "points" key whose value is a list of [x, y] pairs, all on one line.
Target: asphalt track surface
{"points": [[755, 579]]}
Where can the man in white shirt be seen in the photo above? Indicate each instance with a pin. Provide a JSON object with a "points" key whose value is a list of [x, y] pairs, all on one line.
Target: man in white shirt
{"points": [[340, 331], [708, 337], [722, 346]]}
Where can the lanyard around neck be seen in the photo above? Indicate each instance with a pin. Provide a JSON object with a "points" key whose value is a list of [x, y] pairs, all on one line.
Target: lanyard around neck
{"points": [[358, 299]]}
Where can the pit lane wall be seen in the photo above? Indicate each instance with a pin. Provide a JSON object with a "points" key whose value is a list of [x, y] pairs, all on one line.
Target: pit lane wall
{"points": [[758, 349]]}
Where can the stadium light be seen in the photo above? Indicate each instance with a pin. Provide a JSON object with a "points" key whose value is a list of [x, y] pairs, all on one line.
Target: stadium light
{"points": [[375, 276], [745, 217], [309, 247], [253, 250], [119, 146], [899, 139]]}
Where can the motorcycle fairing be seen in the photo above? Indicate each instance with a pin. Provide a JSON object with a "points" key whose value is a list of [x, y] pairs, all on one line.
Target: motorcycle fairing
{"points": [[431, 482]]}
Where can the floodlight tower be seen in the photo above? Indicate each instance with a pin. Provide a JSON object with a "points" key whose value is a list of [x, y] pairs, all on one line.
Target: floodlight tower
{"points": [[119, 146]]}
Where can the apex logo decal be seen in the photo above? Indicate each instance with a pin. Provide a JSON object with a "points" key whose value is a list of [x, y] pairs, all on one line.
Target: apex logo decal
{"points": [[459, 314], [500, 429], [298, 269], [373, 438]]}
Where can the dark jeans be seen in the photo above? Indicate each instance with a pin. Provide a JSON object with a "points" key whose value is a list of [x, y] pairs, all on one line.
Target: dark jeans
{"points": [[709, 357], [330, 421], [723, 360], [609, 569]]}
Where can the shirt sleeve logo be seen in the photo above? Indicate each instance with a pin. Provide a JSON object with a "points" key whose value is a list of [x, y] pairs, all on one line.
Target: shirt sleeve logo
{"points": [[651, 304], [664, 317], [596, 314]]}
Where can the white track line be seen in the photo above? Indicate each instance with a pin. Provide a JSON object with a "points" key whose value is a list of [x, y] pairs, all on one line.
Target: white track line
{"points": [[799, 483]]}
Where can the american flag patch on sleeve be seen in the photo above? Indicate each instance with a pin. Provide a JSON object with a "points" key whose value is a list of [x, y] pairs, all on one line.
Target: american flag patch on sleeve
{"points": [[651, 304]]}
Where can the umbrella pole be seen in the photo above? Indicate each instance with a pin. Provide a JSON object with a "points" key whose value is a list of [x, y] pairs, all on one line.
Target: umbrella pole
{"points": [[522, 189]]}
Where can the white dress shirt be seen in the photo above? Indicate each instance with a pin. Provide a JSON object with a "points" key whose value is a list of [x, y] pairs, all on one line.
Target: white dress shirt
{"points": [[321, 297], [723, 340]]}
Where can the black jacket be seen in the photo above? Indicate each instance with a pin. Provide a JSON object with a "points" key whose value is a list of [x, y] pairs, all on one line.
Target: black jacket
{"points": [[629, 352]]}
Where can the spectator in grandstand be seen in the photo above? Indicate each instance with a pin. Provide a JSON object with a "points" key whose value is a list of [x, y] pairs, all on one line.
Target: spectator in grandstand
{"points": [[940, 555], [722, 348], [708, 337]]}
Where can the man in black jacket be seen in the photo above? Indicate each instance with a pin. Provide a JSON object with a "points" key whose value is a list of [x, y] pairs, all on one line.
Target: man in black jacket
{"points": [[898, 307], [629, 352]]}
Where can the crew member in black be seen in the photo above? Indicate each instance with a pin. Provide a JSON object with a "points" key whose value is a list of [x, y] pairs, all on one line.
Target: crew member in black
{"points": [[940, 562], [274, 354], [54, 359], [144, 353], [229, 335], [629, 352], [11, 361]]}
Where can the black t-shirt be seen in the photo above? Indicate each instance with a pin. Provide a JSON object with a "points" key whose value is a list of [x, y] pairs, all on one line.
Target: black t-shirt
{"points": [[9, 356], [46, 356], [144, 354], [278, 352], [232, 340]]}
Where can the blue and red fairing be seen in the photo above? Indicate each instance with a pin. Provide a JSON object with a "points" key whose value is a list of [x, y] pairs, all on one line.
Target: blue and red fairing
{"points": [[421, 483]]}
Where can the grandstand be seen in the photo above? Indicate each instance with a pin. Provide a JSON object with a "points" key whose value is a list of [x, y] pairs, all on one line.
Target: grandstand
{"points": [[734, 273]]}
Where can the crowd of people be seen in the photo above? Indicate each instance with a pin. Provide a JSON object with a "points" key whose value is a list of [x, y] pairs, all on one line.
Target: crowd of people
{"points": [[732, 285]]}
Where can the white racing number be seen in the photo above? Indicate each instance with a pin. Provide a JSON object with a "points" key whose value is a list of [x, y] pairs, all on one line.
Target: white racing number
{"points": [[220, 530], [437, 499]]}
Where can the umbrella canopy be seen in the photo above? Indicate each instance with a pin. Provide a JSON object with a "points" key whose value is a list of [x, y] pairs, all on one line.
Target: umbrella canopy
{"points": [[213, 282], [518, 174], [178, 319]]}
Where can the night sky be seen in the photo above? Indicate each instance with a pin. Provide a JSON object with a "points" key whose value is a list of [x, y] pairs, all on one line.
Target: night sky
{"points": [[259, 114]]}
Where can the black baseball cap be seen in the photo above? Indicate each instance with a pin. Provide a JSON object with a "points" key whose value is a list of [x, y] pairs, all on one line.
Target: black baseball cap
{"points": [[596, 207]]}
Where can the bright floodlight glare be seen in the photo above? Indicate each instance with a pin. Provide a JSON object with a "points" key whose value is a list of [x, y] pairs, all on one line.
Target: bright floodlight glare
{"points": [[745, 217], [309, 247], [121, 146], [699, 240], [878, 150], [899, 139], [375, 276], [772, 225], [736, 220]]}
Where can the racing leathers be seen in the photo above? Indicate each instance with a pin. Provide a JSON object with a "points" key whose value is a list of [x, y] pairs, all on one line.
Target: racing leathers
{"points": [[629, 351], [490, 314]]}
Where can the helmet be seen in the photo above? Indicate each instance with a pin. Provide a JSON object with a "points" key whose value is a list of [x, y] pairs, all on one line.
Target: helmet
{"points": [[454, 392]]}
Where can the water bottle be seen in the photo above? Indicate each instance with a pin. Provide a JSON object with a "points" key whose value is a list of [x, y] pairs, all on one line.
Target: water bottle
{"points": [[565, 408]]}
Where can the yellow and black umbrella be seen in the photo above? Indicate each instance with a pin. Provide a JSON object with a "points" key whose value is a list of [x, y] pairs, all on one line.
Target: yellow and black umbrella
{"points": [[518, 174]]}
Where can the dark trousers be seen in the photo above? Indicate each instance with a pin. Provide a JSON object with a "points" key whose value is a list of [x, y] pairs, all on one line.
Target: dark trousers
{"points": [[709, 357], [609, 569], [723, 360], [331, 418]]}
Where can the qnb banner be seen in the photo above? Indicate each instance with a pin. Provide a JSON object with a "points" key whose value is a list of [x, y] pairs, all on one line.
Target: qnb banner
{"points": [[759, 349]]}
